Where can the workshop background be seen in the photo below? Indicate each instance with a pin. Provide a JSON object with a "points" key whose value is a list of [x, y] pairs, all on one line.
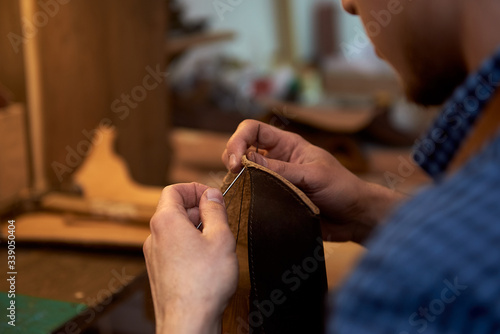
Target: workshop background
{"points": [[103, 103]]}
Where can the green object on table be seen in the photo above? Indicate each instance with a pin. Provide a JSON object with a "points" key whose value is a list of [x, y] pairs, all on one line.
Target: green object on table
{"points": [[36, 315]]}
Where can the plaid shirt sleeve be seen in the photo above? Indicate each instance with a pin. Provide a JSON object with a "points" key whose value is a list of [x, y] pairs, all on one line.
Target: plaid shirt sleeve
{"points": [[435, 267]]}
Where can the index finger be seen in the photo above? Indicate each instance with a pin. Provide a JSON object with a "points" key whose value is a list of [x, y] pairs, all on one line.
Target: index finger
{"points": [[181, 196], [172, 214], [278, 143]]}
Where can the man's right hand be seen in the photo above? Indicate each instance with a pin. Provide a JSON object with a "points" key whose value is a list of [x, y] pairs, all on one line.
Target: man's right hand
{"points": [[350, 207]]}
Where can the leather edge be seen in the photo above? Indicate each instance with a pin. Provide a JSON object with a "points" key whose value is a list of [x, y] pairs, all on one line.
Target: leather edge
{"points": [[303, 197]]}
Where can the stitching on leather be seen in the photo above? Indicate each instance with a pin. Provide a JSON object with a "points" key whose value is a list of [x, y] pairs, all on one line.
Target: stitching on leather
{"points": [[250, 244], [250, 224], [241, 206]]}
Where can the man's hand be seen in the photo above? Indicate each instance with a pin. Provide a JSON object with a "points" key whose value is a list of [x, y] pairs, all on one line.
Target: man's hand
{"points": [[193, 273], [349, 206]]}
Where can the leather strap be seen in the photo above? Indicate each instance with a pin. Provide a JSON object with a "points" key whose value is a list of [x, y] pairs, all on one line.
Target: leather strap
{"points": [[280, 249], [286, 259]]}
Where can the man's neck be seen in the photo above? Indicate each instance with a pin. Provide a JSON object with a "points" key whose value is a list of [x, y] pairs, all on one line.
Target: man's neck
{"points": [[480, 39]]}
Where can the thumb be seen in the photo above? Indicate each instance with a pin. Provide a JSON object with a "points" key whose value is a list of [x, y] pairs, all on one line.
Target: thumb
{"points": [[290, 171], [213, 211]]}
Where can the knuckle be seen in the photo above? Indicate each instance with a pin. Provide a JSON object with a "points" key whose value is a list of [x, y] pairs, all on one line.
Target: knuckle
{"points": [[166, 190], [157, 222], [146, 246], [266, 135], [193, 184], [245, 126], [230, 145], [296, 138], [213, 211], [280, 167], [247, 122], [224, 156]]}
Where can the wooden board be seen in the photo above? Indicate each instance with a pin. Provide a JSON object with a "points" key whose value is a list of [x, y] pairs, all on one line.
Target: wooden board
{"points": [[71, 274], [98, 207], [13, 154], [199, 148], [330, 119], [105, 176], [74, 230], [91, 54], [341, 258], [11, 50]]}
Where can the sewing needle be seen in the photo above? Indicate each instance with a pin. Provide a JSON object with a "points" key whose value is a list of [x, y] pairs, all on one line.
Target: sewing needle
{"points": [[241, 172], [225, 192], [232, 183]]}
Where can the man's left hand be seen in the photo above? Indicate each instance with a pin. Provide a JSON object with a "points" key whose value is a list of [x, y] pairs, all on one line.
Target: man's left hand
{"points": [[193, 273]]}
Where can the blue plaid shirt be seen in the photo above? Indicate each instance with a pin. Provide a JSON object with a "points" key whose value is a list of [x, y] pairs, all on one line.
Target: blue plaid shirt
{"points": [[435, 266]]}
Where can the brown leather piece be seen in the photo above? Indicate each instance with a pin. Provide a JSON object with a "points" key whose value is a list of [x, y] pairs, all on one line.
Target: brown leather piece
{"points": [[284, 269], [237, 205]]}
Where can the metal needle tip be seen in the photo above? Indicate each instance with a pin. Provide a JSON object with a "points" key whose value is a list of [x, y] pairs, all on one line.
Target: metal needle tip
{"points": [[225, 192], [232, 183]]}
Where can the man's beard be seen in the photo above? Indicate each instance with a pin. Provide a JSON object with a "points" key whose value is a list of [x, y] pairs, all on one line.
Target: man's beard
{"points": [[432, 80]]}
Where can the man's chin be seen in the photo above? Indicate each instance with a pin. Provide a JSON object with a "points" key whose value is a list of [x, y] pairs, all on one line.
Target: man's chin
{"points": [[425, 98], [430, 78], [433, 91], [379, 54]]}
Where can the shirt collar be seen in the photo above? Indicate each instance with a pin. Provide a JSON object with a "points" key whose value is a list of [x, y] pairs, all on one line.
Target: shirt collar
{"points": [[436, 149]]}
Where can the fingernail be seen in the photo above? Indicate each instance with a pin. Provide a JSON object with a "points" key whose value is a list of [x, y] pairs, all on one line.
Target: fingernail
{"points": [[214, 195], [232, 161], [257, 158], [263, 161], [251, 156]]}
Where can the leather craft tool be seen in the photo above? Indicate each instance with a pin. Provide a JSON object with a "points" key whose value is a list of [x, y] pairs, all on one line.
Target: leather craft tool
{"points": [[239, 174], [225, 192]]}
